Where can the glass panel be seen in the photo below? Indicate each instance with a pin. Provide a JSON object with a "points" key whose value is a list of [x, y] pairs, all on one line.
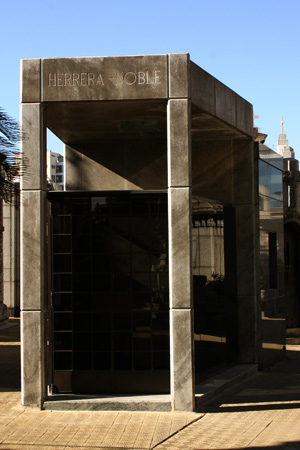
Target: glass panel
{"points": [[101, 341], [63, 361], [82, 263], [122, 341], [161, 360], [270, 181], [121, 282], [142, 361], [121, 262], [62, 263], [142, 341], [160, 342], [59, 207], [101, 282], [101, 262], [62, 341], [102, 322], [142, 320], [82, 302], [81, 244], [122, 321], [82, 341], [82, 360], [61, 224], [62, 283], [61, 244], [142, 300], [62, 302], [160, 321], [102, 361], [82, 283], [122, 361], [141, 281], [82, 322], [62, 321]]}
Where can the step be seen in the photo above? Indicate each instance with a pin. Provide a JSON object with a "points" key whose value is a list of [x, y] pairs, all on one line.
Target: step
{"points": [[222, 381], [205, 391]]}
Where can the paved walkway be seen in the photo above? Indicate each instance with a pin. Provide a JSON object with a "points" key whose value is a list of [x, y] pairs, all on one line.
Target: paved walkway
{"points": [[263, 412]]}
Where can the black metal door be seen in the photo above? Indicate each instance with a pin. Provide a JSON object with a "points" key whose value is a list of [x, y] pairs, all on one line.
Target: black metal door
{"points": [[110, 292]]}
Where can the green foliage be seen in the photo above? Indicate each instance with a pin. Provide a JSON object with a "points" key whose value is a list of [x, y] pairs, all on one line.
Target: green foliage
{"points": [[11, 161]]}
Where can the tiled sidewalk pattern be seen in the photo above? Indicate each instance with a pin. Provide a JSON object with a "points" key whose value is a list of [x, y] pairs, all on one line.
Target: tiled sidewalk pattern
{"points": [[263, 412]]}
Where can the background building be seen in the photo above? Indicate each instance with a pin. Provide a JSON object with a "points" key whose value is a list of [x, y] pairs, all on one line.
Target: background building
{"points": [[55, 170]]}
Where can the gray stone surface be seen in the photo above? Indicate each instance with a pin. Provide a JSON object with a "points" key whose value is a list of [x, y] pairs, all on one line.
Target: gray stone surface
{"points": [[203, 89], [180, 259], [212, 167], [217, 384], [225, 103], [33, 146], [247, 322], [244, 189], [100, 78], [108, 403], [33, 251], [182, 370], [32, 358], [30, 80], [246, 249], [217, 99], [179, 143], [244, 115], [91, 167], [179, 75], [116, 143]]}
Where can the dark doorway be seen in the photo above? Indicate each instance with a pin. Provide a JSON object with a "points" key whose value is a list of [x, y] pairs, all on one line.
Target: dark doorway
{"points": [[110, 292]]}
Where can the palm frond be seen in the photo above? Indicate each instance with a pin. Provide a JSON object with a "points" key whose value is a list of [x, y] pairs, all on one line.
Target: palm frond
{"points": [[12, 164]]}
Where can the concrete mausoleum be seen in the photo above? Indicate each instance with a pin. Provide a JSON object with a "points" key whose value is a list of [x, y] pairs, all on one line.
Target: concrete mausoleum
{"points": [[143, 274]]}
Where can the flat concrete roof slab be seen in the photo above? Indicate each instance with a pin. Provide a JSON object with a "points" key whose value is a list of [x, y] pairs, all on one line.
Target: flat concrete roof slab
{"points": [[77, 92]]}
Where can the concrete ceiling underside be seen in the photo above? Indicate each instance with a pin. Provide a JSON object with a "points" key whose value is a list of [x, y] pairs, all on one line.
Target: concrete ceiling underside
{"points": [[123, 121]]}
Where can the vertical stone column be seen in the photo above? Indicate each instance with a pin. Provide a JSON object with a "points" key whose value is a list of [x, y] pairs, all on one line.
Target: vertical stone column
{"points": [[245, 200], [180, 258], [33, 238]]}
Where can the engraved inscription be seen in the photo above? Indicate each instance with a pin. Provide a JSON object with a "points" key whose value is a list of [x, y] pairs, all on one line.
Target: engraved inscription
{"points": [[98, 79]]}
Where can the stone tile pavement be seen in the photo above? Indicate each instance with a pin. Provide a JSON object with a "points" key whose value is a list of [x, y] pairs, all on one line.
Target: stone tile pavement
{"points": [[261, 412]]}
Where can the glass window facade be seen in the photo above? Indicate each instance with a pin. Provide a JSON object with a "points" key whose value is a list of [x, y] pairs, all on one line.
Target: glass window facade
{"points": [[271, 217]]}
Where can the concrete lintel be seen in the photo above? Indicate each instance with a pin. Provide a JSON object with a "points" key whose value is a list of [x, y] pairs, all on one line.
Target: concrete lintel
{"points": [[104, 78]]}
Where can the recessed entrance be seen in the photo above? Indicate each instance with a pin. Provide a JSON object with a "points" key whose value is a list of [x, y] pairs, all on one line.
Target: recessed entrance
{"points": [[110, 292]]}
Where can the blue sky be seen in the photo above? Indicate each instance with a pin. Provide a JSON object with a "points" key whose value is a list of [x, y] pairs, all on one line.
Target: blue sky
{"points": [[251, 46]]}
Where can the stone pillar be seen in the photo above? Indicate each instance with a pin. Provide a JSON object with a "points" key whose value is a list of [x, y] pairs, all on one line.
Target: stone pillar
{"points": [[245, 200], [180, 258], [33, 239]]}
